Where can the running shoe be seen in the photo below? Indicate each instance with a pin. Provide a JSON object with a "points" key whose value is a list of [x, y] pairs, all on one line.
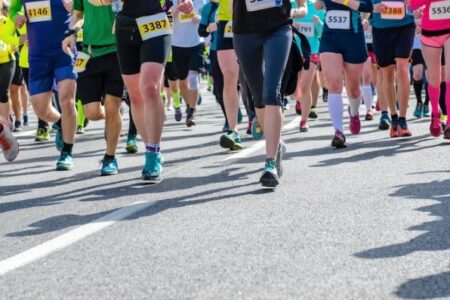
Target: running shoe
{"points": [[281, 151], [190, 121], [257, 132], [286, 105], [8, 142], [131, 146], [325, 96], [444, 121], [436, 126], [394, 128], [298, 108], [385, 122], [59, 141], [42, 135], [153, 167], [403, 129], [65, 162], [426, 111], [25, 120], [313, 113], [249, 127], [269, 178], [109, 167], [418, 112], [199, 100], [338, 140], [231, 140], [80, 130], [447, 132], [355, 123], [369, 115], [178, 114], [304, 127], [17, 126]]}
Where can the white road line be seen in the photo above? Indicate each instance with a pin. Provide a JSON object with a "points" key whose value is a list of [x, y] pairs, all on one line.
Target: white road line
{"points": [[256, 146], [71, 237]]}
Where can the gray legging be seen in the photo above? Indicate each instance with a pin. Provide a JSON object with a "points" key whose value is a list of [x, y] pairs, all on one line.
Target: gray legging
{"points": [[263, 58]]}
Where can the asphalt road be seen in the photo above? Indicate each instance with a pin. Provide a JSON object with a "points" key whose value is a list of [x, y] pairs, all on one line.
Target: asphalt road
{"points": [[371, 221]]}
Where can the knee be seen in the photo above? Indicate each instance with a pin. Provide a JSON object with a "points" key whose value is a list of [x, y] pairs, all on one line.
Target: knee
{"points": [[112, 109], [193, 81], [41, 111], [150, 90], [92, 114]]}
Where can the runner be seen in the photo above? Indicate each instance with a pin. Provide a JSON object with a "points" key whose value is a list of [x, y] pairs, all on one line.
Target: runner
{"points": [[369, 75], [47, 22], [418, 71], [343, 53], [143, 37], [187, 54], [99, 78], [8, 142], [263, 36], [393, 30], [436, 39]]}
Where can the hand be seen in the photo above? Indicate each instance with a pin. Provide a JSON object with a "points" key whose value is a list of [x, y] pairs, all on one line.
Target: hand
{"points": [[212, 27], [195, 19], [68, 5], [23, 39], [319, 5], [20, 21], [418, 14], [185, 6], [297, 13], [380, 8], [316, 19], [68, 43], [366, 25]]}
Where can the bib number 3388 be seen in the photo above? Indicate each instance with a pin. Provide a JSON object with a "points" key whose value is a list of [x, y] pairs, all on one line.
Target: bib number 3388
{"points": [[153, 26]]}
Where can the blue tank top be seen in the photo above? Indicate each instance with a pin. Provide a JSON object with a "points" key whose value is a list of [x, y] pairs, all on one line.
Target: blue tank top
{"points": [[377, 22], [45, 35], [355, 18]]}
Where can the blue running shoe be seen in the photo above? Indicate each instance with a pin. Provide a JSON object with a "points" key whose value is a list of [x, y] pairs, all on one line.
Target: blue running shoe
{"points": [[59, 142], [419, 110], [109, 167], [385, 122], [65, 162], [178, 114], [232, 141], [269, 177], [153, 167], [257, 132]]}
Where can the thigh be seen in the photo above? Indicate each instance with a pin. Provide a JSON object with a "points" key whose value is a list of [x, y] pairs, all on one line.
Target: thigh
{"points": [[223, 43], [40, 75], [384, 46], [18, 75], [156, 50], [333, 70], [432, 58], [404, 41], [353, 74], [63, 67], [249, 50], [128, 46], [181, 61], [112, 80], [196, 58], [90, 84]]}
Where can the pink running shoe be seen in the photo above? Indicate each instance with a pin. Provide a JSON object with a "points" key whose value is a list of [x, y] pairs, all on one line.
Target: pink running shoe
{"points": [[355, 123], [436, 125], [8, 142]]}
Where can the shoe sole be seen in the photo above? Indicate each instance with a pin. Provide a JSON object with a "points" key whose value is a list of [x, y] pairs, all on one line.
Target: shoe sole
{"points": [[63, 168], [384, 126], [151, 180], [269, 183], [109, 173], [131, 149], [338, 144], [226, 143], [190, 124]]}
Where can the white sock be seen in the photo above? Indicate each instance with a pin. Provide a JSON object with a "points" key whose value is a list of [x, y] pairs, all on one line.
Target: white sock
{"points": [[354, 105], [336, 109], [366, 93]]}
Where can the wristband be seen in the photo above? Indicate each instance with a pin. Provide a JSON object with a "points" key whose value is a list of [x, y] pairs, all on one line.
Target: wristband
{"points": [[70, 32], [345, 2]]}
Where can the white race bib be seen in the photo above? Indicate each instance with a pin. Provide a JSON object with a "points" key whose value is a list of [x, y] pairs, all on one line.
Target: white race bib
{"points": [[186, 18], [3, 46], [440, 10], [338, 19], [368, 37], [39, 11], [307, 28], [81, 62], [396, 10], [255, 5], [153, 26], [228, 30]]}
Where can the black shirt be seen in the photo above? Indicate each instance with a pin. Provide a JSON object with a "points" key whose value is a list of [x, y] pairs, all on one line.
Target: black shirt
{"points": [[140, 8]]}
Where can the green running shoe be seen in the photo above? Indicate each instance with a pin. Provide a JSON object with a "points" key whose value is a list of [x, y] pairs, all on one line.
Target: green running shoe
{"points": [[153, 167], [257, 132], [131, 146], [109, 167], [232, 141], [42, 135], [269, 178], [65, 162]]}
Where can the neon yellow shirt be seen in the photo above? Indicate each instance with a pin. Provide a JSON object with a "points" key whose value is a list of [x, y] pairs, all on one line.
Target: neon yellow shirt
{"points": [[8, 39], [23, 54], [225, 13]]}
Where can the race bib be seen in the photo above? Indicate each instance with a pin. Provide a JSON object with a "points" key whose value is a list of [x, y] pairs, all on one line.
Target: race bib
{"points": [[3, 46], [307, 28], [440, 10], [338, 19], [185, 18], [153, 26], [255, 5], [80, 36], [368, 37], [81, 62], [228, 30], [396, 10], [38, 11]]}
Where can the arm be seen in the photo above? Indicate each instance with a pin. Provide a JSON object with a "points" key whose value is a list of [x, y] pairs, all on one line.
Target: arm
{"points": [[365, 6], [8, 34], [76, 23], [301, 11], [416, 4], [14, 9]]}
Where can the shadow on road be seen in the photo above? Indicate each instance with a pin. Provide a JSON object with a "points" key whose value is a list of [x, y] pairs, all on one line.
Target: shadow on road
{"points": [[435, 238]]}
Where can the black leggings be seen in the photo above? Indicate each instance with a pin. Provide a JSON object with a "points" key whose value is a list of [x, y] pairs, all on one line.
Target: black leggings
{"points": [[217, 76], [6, 76]]}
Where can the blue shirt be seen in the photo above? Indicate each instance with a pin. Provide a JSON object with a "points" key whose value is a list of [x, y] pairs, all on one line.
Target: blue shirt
{"points": [[355, 17], [210, 11], [377, 22], [318, 28]]}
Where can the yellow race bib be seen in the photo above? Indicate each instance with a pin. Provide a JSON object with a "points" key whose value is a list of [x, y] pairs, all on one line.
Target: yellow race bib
{"points": [[186, 18], [153, 26], [228, 30], [39, 11]]}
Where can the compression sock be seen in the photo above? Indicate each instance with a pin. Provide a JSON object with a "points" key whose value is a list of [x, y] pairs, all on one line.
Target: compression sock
{"points": [[354, 105], [336, 109], [434, 99], [67, 148], [418, 84], [81, 116], [153, 148], [176, 99], [367, 95]]}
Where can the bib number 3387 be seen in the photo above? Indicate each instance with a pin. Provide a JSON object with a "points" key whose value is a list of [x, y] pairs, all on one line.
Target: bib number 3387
{"points": [[255, 5], [153, 26], [38, 11]]}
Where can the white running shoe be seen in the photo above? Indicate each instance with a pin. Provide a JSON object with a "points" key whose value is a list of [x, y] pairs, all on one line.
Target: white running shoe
{"points": [[8, 142]]}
